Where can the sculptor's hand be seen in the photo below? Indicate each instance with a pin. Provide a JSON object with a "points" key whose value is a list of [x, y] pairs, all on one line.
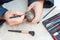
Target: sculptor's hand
{"points": [[38, 8], [13, 21]]}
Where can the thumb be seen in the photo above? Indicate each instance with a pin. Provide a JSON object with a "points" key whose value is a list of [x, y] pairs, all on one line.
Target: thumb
{"points": [[30, 7]]}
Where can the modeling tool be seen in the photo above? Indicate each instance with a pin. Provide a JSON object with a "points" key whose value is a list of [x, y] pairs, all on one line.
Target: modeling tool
{"points": [[32, 33]]}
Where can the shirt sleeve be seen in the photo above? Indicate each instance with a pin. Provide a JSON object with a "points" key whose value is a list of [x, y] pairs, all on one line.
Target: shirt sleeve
{"points": [[2, 10], [30, 1], [47, 3]]}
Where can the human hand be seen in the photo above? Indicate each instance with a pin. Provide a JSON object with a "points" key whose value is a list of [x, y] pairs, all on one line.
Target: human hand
{"points": [[38, 8], [13, 21]]}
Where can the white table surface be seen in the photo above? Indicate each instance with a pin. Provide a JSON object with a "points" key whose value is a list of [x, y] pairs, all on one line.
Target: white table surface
{"points": [[40, 31]]}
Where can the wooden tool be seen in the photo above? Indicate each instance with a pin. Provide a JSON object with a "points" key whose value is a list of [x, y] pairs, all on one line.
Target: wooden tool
{"points": [[32, 33]]}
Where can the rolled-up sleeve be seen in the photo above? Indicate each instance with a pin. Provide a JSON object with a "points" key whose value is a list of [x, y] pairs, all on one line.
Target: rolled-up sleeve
{"points": [[47, 3], [31, 1], [2, 10]]}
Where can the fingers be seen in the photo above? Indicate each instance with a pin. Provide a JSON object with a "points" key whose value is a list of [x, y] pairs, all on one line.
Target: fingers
{"points": [[13, 21], [30, 7], [18, 13], [38, 8], [35, 20], [12, 13]]}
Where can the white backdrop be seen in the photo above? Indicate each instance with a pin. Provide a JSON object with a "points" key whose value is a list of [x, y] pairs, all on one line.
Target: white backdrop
{"points": [[57, 3]]}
